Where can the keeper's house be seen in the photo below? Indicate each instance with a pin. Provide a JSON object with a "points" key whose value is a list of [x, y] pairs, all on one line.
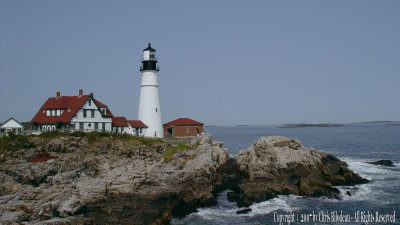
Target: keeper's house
{"points": [[73, 113], [82, 113], [183, 128]]}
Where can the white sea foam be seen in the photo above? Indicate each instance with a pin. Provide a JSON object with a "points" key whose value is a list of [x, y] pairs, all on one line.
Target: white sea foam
{"points": [[221, 215], [280, 203], [213, 215], [370, 171], [378, 175]]}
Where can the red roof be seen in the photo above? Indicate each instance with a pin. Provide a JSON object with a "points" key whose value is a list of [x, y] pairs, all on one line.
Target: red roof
{"points": [[136, 123], [70, 104], [101, 105], [183, 121], [119, 122]]}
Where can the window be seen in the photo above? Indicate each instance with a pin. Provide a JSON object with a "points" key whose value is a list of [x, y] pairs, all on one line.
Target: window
{"points": [[80, 126], [104, 110], [122, 129], [84, 113], [89, 124], [48, 113], [187, 129], [53, 112], [96, 126], [104, 126], [140, 130], [93, 113], [90, 101]]}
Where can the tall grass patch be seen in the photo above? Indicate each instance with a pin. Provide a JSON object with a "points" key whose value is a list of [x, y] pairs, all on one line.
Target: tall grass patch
{"points": [[11, 143], [171, 151]]}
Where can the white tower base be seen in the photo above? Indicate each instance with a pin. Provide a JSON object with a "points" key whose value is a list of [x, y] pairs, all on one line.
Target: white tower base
{"points": [[149, 105]]}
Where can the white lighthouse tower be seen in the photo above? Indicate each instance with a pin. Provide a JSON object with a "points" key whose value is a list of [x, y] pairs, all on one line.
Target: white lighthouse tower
{"points": [[149, 103]]}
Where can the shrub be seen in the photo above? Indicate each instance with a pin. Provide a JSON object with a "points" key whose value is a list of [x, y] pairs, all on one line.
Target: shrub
{"points": [[171, 151], [77, 134], [148, 141], [124, 136], [103, 134], [50, 135], [13, 142], [91, 137], [143, 140]]}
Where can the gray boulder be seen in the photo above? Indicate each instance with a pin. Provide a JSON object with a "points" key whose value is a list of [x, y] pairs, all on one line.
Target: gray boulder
{"points": [[278, 165]]}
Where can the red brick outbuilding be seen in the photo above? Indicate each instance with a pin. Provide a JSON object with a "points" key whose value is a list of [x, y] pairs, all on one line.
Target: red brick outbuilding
{"points": [[183, 128]]}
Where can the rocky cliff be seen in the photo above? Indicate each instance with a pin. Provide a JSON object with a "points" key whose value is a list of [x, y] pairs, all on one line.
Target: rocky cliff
{"points": [[109, 181], [278, 165]]}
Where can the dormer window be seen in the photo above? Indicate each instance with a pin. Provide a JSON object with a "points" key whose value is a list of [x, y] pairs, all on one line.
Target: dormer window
{"points": [[104, 111]]}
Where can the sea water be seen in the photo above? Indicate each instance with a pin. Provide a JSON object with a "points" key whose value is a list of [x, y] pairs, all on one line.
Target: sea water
{"points": [[377, 202]]}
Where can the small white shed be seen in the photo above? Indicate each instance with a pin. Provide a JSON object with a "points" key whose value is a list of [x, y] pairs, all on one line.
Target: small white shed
{"points": [[11, 125]]}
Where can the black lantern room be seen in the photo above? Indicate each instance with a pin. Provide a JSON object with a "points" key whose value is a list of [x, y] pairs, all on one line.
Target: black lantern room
{"points": [[149, 61]]}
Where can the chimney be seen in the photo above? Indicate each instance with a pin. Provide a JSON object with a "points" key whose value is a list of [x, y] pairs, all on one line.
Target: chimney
{"points": [[58, 94], [91, 94], [80, 92]]}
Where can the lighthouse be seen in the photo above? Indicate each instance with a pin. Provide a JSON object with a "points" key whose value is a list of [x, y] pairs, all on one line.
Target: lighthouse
{"points": [[149, 103]]}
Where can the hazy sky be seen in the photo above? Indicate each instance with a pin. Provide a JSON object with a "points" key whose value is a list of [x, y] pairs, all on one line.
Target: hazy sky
{"points": [[221, 62]]}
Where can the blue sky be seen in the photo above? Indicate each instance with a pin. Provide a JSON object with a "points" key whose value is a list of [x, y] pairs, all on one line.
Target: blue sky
{"points": [[221, 62]]}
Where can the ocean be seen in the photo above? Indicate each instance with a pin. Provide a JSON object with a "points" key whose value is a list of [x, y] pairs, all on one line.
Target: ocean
{"points": [[377, 202]]}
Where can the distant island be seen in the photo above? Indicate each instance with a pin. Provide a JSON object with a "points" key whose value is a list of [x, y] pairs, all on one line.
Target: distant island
{"points": [[311, 125], [380, 121]]}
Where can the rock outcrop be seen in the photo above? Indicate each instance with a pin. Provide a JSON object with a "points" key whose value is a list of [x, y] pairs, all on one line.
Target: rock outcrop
{"points": [[131, 181], [109, 181], [383, 162], [278, 165]]}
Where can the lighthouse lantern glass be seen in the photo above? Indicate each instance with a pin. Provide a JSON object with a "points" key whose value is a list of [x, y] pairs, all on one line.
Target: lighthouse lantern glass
{"points": [[146, 55], [149, 55], [152, 56]]}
